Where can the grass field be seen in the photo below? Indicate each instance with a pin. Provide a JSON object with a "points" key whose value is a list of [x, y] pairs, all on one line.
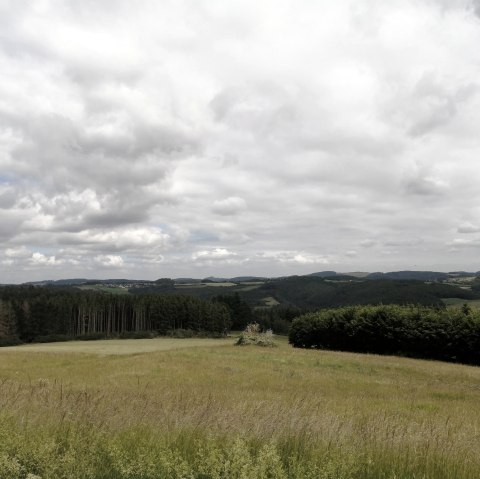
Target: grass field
{"points": [[104, 289], [458, 303], [204, 285], [117, 346], [220, 411], [270, 301]]}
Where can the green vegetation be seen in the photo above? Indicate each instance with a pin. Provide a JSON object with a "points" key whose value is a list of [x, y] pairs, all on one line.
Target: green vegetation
{"points": [[47, 314], [451, 335], [458, 303], [231, 412], [203, 409], [240, 312], [320, 290], [315, 292], [104, 289]]}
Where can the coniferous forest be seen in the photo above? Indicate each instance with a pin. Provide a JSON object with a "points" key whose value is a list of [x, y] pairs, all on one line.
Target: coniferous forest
{"points": [[45, 314]]}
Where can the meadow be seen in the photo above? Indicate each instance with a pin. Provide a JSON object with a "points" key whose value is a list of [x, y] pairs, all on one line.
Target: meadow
{"points": [[458, 303], [196, 409]]}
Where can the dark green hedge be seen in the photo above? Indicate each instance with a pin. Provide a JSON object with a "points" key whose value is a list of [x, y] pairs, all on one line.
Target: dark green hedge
{"points": [[423, 332]]}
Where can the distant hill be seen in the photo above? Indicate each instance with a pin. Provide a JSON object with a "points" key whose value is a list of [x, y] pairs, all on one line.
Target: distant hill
{"points": [[342, 277], [462, 274], [315, 292], [117, 281], [324, 289], [392, 275], [358, 274], [417, 275], [58, 282], [323, 274], [242, 279], [187, 280]]}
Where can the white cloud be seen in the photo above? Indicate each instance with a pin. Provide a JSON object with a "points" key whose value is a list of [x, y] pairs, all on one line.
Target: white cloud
{"points": [[295, 257], [109, 260], [43, 260], [195, 135], [215, 254], [17, 252]]}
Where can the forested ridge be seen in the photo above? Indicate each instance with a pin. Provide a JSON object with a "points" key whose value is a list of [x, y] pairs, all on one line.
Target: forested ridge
{"points": [[313, 292], [32, 313]]}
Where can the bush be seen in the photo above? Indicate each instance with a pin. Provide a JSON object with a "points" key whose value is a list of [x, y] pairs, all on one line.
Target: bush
{"points": [[423, 332], [253, 335]]}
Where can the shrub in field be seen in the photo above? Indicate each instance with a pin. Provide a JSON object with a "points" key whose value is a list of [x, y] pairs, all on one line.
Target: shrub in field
{"points": [[449, 335], [253, 335]]}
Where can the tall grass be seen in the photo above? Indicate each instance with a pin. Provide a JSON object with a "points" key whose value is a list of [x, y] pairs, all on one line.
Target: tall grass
{"points": [[228, 412]]}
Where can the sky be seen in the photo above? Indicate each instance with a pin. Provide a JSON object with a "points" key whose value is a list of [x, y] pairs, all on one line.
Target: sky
{"points": [[190, 138]]}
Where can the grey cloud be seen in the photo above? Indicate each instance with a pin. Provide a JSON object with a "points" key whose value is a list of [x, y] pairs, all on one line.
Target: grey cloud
{"points": [[426, 186], [403, 242], [229, 206], [435, 106], [468, 228], [75, 158], [368, 243], [114, 218], [476, 7], [8, 197], [432, 103], [10, 223]]}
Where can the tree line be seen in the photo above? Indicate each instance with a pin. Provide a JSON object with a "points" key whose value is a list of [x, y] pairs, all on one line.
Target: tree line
{"points": [[416, 331], [31, 313]]}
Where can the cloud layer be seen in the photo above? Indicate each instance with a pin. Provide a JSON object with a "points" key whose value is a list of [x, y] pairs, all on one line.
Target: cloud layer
{"points": [[227, 138]]}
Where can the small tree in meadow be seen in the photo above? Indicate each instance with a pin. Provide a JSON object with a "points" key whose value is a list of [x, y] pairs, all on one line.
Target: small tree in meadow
{"points": [[253, 335]]}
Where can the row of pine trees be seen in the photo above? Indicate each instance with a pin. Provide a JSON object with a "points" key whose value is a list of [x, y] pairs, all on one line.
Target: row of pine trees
{"points": [[29, 313]]}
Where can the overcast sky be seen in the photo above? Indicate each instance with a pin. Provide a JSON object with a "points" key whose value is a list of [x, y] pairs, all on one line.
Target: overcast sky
{"points": [[192, 138]]}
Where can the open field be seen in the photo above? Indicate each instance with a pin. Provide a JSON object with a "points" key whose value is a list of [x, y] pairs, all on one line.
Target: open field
{"points": [[270, 301], [104, 289], [458, 303], [204, 285], [118, 346], [234, 412]]}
